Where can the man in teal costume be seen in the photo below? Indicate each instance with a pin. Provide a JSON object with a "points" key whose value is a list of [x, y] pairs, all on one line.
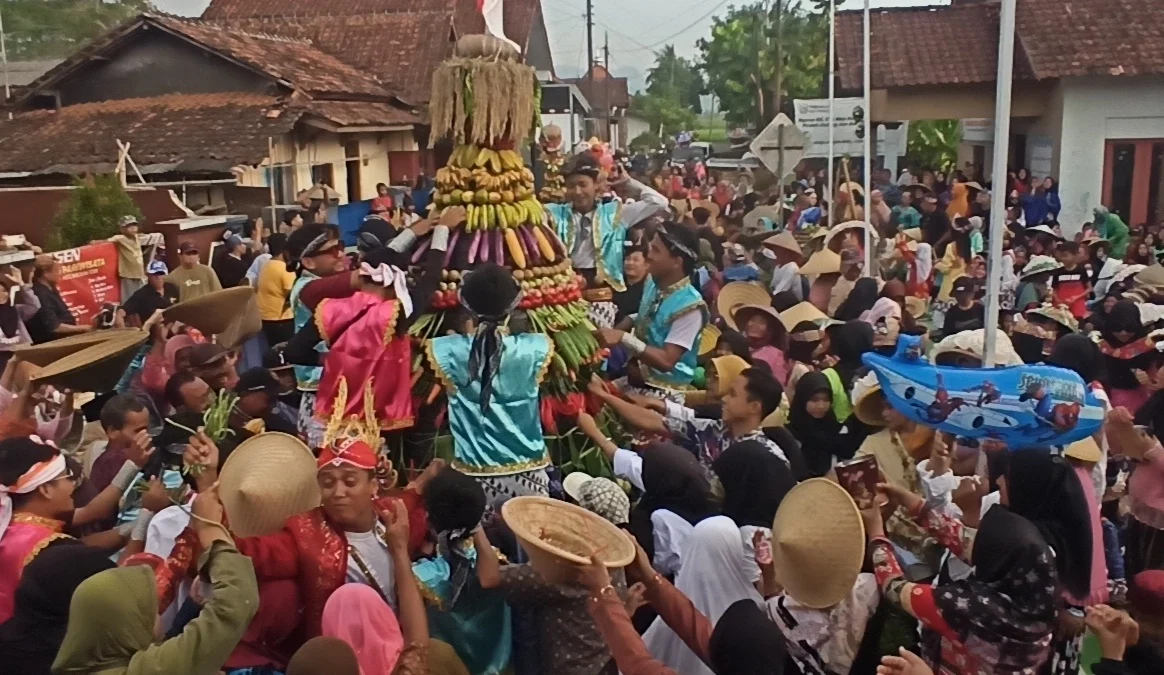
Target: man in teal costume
{"points": [[492, 382], [671, 317], [594, 231]]}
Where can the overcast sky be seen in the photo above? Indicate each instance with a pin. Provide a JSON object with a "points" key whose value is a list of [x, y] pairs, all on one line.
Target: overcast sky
{"points": [[635, 28]]}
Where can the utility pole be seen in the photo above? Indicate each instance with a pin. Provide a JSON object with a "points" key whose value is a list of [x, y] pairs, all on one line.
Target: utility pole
{"points": [[589, 38], [606, 85]]}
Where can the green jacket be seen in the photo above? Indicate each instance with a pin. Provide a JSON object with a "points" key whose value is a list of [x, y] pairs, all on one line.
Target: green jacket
{"points": [[1116, 232], [112, 616]]}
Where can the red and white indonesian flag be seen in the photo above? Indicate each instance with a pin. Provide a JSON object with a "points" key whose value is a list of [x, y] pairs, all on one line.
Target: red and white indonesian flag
{"points": [[494, 15]]}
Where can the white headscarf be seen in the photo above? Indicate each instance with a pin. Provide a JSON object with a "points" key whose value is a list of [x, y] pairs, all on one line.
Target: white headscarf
{"points": [[714, 576], [390, 276], [925, 261], [40, 474]]}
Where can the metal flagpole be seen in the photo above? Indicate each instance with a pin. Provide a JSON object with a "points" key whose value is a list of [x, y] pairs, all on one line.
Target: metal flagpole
{"points": [[831, 189], [868, 145], [998, 174]]}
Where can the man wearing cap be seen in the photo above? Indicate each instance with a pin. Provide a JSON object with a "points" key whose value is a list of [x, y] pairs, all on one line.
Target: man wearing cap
{"points": [[157, 294], [852, 264], [257, 408], [593, 231], [232, 262], [214, 364], [192, 278], [966, 313], [275, 361], [130, 262]]}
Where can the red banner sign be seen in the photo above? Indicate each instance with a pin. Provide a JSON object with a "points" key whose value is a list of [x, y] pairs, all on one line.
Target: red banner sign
{"points": [[89, 279]]}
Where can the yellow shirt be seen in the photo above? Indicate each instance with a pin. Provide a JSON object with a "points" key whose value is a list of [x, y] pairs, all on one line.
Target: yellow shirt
{"points": [[274, 291], [130, 263]]}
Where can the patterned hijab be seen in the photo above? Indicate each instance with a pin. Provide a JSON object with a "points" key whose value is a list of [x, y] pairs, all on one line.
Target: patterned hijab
{"points": [[1005, 612]]}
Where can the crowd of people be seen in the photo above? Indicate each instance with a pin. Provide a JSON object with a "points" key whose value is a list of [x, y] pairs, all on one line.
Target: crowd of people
{"points": [[237, 510]]}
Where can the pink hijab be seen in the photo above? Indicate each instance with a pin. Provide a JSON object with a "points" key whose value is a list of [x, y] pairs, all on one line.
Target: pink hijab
{"points": [[176, 343], [358, 615]]}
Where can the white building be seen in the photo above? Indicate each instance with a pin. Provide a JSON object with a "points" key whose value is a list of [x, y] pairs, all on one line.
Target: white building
{"points": [[1088, 96]]}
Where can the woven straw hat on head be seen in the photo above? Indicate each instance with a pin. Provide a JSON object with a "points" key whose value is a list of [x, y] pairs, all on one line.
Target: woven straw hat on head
{"points": [[558, 536], [745, 312], [1060, 315], [266, 480], [752, 218], [708, 339], [818, 543], [972, 343], [914, 233], [1152, 275], [48, 352], [1085, 450], [95, 368], [1039, 264], [736, 294], [916, 306], [214, 312], [1126, 271], [785, 240], [868, 400], [824, 261], [805, 311]]}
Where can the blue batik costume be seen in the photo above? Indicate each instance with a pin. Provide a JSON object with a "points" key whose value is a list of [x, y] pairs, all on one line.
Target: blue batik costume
{"points": [[657, 310], [606, 233]]}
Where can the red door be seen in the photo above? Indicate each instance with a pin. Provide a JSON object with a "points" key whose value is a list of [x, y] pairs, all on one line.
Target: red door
{"points": [[1133, 180]]}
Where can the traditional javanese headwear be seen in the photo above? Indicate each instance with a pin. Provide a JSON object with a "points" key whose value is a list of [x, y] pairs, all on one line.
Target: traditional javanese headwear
{"points": [[390, 276], [37, 475], [355, 440]]}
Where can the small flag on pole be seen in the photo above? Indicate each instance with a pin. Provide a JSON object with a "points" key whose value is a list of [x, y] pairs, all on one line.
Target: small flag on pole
{"points": [[494, 13]]}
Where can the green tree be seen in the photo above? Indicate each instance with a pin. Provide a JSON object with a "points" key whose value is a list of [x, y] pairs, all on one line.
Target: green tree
{"points": [[665, 115], [759, 56], [92, 211], [47, 29], [676, 78], [934, 143]]}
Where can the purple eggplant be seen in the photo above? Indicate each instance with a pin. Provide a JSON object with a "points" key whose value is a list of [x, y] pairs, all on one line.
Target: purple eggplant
{"points": [[474, 245], [485, 252], [530, 243], [498, 247], [419, 253], [452, 247]]}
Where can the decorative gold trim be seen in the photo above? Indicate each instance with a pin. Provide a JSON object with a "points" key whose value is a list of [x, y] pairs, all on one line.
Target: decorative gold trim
{"points": [[41, 546], [683, 311], [428, 593], [545, 366], [437, 369], [520, 467], [317, 316], [25, 518], [401, 423], [390, 332]]}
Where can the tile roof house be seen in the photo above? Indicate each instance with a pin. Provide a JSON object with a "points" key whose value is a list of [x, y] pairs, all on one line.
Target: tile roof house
{"points": [[321, 91], [1087, 99], [196, 100]]}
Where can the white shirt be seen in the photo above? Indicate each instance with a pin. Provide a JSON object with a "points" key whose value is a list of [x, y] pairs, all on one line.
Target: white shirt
{"points": [[787, 278], [257, 267], [628, 465], [683, 331], [647, 203], [163, 531], [374, 553]]}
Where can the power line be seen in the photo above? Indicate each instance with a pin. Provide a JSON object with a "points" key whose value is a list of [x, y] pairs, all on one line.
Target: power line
{"points": [[681, 30]]}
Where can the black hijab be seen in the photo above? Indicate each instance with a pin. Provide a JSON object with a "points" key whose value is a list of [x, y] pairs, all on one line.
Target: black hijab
{"points": [[745, 642], [674, 481], [1078, 352], [1009, 602], [816, 436], [29, 641], [1044, 489], [754, 483], [1124, 316], [848, 342], [860, 300]]}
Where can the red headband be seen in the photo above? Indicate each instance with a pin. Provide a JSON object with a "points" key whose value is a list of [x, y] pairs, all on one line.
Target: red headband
{"points": [[351, 451]]}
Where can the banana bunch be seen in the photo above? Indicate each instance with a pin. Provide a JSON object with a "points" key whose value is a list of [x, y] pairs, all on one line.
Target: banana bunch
{"points": [[491, 213], [450, 178]]}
